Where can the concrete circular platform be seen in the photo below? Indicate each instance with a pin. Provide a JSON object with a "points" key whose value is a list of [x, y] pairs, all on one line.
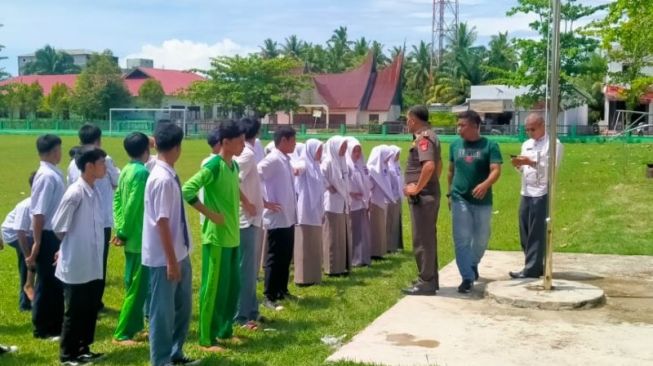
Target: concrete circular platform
{"points": [[529, 293]]}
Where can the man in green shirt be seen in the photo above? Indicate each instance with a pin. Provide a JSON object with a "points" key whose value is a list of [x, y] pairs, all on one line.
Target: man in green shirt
{"points": [[128, 206], [474, 166], [220, 285]]}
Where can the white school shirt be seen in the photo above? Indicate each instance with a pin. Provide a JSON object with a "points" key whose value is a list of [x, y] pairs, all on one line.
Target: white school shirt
{"points": [[151, 162], [534, 179], [278, 182], [310, 186], [336, 172], [80, 217], [163, 200], [259, 152], [250, 186], [104, 185], [17, 220], [48, 188]]}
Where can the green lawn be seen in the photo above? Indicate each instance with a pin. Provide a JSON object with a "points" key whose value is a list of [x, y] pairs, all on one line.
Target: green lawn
{"points": [[605, 205]]}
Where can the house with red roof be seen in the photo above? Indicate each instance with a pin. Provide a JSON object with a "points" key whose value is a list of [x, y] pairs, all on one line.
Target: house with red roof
{"points": [[172, 81], [362, 95]]}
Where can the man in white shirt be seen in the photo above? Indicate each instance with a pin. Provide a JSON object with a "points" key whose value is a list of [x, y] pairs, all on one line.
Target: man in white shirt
{"points": [[251, 221], [79, 223], [279, 220], [91, 135], [17, 232], [47, 190], [532, 163], [166, 248]]}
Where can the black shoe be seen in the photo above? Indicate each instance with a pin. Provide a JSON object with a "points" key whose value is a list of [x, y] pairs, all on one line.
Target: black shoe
{"points": [[475, 269], [289, 296], [517, 275], [418, 291], [272, 305], [75, 362], [90, 356], [304, 284], [466, 286], [186, 361]]}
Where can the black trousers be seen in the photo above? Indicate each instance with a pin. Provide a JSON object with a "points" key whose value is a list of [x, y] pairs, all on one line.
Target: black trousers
{"points": [[47, 307], [107, 238], [532, 233], [82, 304], [24, 304], [277, 262]]}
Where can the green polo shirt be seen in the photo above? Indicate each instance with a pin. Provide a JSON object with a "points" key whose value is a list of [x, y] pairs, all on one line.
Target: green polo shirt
{"points": [[129, 204], [471, 161], [221, 195]]}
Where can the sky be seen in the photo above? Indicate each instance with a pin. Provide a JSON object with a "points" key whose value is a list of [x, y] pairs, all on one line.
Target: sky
{"points": [[182, 34]]}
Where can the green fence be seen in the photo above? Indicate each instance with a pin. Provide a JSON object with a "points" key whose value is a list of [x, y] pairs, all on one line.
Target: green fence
{"points": [[376, 132]]}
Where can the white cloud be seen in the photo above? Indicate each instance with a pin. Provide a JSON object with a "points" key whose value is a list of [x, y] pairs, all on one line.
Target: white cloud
{"points": [[186, 54]]}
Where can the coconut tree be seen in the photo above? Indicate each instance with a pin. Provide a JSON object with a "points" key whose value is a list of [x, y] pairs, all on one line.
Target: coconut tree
{"points": [[294, 47], [270, 49], [49, 61]]}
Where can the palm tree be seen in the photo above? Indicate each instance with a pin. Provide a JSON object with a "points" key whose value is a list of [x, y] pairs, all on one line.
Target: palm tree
{"points": [[379, 56], [396, 50], [294, 47], [361, 47], [419, 69], [501, 54], [50, 61], [339, 51], [270, 49]]}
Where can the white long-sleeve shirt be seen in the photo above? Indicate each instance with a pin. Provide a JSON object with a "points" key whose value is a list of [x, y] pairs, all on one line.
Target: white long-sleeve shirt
{"points": [[105, 186], [81, 219], [47, 190], [534, 179], [278, 181], [250, 186]]}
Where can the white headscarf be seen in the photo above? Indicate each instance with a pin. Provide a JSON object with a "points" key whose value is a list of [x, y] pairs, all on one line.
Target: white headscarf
{"points": [[395, 171], [259, 153], [334, 166], [296, 160], [310, 186], [269, 147], [379, 168], [359, 174]]}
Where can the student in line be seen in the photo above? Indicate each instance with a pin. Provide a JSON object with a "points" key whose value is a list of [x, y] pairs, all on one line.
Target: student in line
{"points": [[310, 185], [360, 186], [337, 242], [213, 139], [47, 190], [17, 233], [251, 222], [128, 208], [381, 195], [79, 223], [91, 135], [4, 349], [166, 248], [220, 237], [394, 231], [280, 217]]}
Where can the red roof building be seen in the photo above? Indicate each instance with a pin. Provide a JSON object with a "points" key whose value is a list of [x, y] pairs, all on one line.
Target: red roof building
{"points": [[358, 96], [172, 81]]}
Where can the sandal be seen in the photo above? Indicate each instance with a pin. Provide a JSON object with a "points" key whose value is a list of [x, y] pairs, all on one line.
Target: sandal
{"points": [[250, 325]]}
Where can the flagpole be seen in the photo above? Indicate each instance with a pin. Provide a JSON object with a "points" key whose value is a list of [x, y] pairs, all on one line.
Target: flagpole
{"points": [[553, 134]]}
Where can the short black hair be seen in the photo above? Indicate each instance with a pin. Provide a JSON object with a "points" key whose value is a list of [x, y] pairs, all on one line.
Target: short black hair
{"points": [[30, 180], [283, 131], [88, 154], [73, 151], [89, 134], [136, 144], [420, 112], [168, 136], [213, 138], [250, 127], [229, 129], [470, 116], [46, 143]]}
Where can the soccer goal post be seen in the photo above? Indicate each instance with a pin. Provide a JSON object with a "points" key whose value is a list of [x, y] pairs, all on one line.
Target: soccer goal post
{"points": [[144, 120]]}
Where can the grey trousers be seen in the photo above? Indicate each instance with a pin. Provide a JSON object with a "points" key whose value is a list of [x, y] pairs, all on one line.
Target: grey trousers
{"points": [[532, 233], [424, 216]]}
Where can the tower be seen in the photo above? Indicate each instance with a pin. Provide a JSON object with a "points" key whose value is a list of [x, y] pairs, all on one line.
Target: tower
{"points": [[445, 20]]}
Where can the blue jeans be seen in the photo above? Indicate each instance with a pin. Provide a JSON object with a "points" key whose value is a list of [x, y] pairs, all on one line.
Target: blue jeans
{"points": [[471, 233], [247, 303], [170, 313]]}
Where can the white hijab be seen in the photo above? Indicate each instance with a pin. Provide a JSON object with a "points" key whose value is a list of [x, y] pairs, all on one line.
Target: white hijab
{"points": [[312, 181], [395, 170], [334, 166], [296, 160], [379, 168], [358, 178]]}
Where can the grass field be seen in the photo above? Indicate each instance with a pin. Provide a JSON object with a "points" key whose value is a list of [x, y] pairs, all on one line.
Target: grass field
{"points": [[604, 205]]}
